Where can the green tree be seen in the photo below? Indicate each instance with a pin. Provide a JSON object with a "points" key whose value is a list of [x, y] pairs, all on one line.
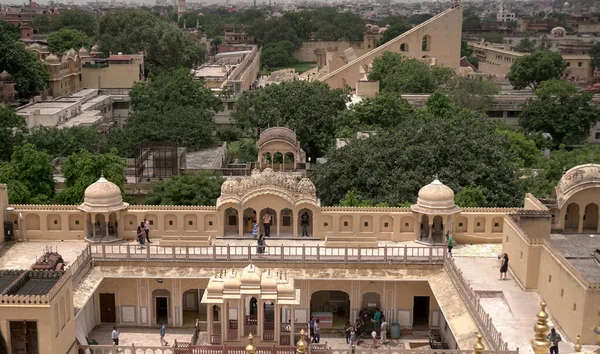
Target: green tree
{"points": [[471, 22], [31, 173], [84, 168], [286, 105], [531, 70], [386, 110], [353, 199], [278, 54], [173, 107], [468, 197], [493, 37], [560, 110], [595, 54], [201, 188], [524, 150], [30, 75], [466, 51], [393, 32], [397, 74], [42, 23], [471, 93], [391, 166], [62, 142], [243, 150], [12, 131], [133, 31], [10, 30], [75, 19], [525, 45], [65, 39]]}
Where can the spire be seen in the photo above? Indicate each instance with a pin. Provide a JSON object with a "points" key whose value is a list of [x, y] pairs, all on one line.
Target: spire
{"points": [[540, 342]]}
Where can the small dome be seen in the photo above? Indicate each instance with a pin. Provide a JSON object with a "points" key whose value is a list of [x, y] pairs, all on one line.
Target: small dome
{"points": [[268, 282], [95, 49], [52, 59], [306, 186], [251, 276], [436, 195], [83, 51], [230, 186], [5, 76], [558, 32], [102, 196], [232, 283], [215, 287]]}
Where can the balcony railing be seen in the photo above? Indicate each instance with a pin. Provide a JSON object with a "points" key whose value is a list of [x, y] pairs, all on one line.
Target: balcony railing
{"points": [[303, 254]]}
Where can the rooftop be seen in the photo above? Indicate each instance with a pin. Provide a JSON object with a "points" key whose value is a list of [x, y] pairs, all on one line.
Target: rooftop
{"points": [[578, 249], [28, 282], [215, 71]]}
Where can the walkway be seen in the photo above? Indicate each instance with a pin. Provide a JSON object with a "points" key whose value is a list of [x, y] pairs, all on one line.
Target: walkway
{"points": [[512, 309]]}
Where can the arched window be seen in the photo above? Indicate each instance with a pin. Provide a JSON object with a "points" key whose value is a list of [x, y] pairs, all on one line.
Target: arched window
{"points": [[426, 44]]}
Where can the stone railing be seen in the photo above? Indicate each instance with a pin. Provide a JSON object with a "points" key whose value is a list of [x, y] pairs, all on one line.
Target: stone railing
{"points": [[471, 299], [126, 349], [303, 254], [416, 351], [81, 266]]}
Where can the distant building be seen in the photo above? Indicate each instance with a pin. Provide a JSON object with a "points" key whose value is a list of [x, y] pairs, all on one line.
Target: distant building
{"points": [[25, 14], [503, 15], [115, 72], [7, 87], [529, 24], [235, 33], [584, 23]]}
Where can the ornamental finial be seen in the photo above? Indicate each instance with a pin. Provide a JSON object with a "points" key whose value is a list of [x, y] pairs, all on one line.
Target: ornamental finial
{"points": [[540, 342]]}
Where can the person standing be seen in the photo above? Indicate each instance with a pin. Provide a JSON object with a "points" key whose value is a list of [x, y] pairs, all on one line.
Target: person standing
{"points": [[140, 236], [554, 338], [449, 243], [260, 244], [504, 266], [317, 331], [267, 218], [383, 333], [163, 330], [352, 336], [115, 336], [304, 222], [377, 319], [311, 324], [348, 327], [146, 225]]}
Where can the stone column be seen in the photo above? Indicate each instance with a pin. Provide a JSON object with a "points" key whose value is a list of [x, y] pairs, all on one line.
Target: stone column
{"points": [[580, 225], [292, 324], [106, 222], [278, 221], [430, 237], [209, 321], [260, 325], [225, 321], [598, 225], [277, 322], [295, 218], [240, 223], [93, 225], [241, 318]]}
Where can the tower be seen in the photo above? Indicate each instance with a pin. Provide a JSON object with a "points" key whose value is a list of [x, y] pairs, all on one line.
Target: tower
{"points": [[180, 8]]}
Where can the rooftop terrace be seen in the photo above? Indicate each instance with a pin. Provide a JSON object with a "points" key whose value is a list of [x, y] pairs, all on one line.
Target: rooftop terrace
{"points": [[578, 249]]}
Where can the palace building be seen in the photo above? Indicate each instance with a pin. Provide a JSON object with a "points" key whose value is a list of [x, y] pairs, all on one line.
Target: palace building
{"points": [[202, 274]]}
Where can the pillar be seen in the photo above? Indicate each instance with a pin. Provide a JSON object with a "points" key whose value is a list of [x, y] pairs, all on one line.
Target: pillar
{"points": [[260, 325], [279, 221], [292, 324], [581, 215], [277, 322], [430, 237], [598, 225], [106, 222], [225, 321], [241, 223], [93, 225], [209, 321], [241, 318], [296, 216]]}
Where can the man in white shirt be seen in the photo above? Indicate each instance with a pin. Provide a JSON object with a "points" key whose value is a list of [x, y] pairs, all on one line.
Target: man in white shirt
{"points": [[147, 230], [115, 336], [267, 223]]}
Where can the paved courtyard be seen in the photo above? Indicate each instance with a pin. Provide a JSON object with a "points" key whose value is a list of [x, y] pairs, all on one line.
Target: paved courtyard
{"points": [[21, 255], [139, 336]]}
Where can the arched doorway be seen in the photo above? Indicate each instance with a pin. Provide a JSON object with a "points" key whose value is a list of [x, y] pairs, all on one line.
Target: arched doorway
{"points": [[215, 336], [437, 231], [590, 218], [371, 303], [285, 318], [308, 230], [572, 218], [231, 220], [162, 302], [113, 225], [251, 316], [287, 222], [250, 217], [269, 320], [331, 307], [277, 161], [100, 225], [273, 227], [424, 227], [192, 308]]}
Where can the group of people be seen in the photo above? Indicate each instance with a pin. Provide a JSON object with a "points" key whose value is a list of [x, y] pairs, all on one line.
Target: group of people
{"points": [[143, 233], [267, 220], [504, 257], [162, 331], [380, 328]]}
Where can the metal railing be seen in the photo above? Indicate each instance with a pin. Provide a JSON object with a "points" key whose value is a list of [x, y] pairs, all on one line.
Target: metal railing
{"points": [[471, 299], [304, 254]]}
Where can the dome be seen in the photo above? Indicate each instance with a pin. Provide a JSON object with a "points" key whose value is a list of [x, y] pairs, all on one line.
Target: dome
{"points": [[232, 283], [52, 59], [558, 32], [102, 195], [251, 276], [83, 51], [215, 287], [5, 76], [306, 186], [575, 180], [230, 186], [435, 197]]}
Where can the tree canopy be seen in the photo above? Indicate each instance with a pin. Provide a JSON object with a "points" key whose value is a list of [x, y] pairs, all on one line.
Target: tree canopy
{"points": [[202, 188], [75, 19], [65, 39], [461, 146], [12, 131], [560, 110], [62, 142], [30, 75], [532, 70], [173, 107], [29, 176], [134, 31], [308, 108], [84, 168], [278, 54]]}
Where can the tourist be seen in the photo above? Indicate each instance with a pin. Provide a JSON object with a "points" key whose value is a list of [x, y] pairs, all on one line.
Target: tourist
{"points": [[374, 336], [261, 244], [163, 329], [115, 336], [317, 331], [250, 224], [254, 230], [554, 338], [304, 222], [348, 328], [352, 335], [358, 327], [140, 236], [311, 324], [146, 226], [377, 320], [449, 243], [504, 266], [383, 329], [267, 218]]}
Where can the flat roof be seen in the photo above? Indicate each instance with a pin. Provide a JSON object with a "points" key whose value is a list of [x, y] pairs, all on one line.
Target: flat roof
{"points": [[86, 118], [210, 71], [578, 249], [7, 278]]}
